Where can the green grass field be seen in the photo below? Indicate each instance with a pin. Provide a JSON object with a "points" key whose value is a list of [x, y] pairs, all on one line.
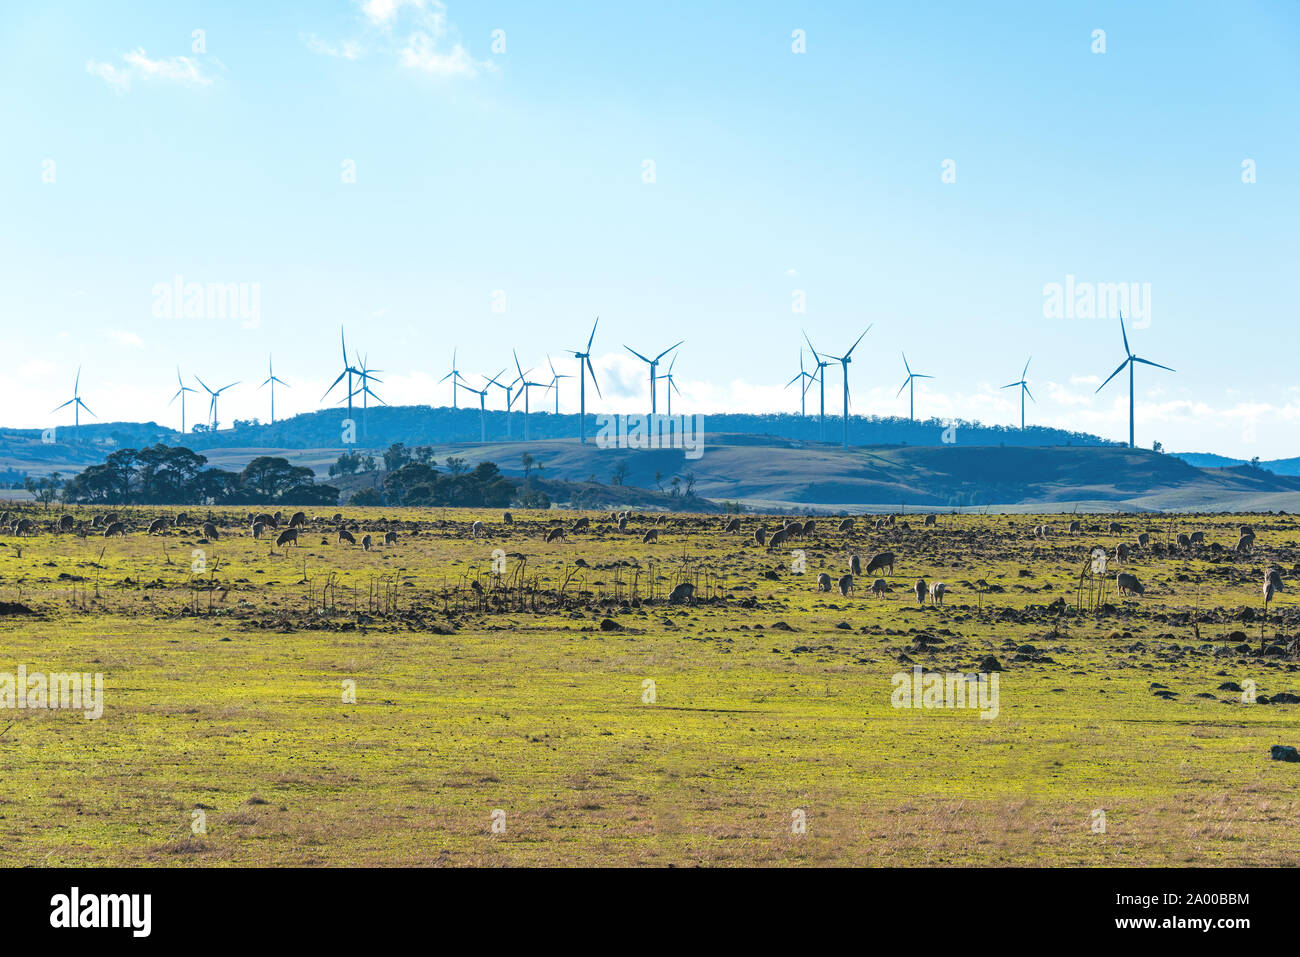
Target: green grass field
{"points": [[224, 693]]}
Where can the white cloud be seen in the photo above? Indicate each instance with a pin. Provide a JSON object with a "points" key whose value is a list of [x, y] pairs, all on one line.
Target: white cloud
{"points": [[415, 32], [140, 66]]}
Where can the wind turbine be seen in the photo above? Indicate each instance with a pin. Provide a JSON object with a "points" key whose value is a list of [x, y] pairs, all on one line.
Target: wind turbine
{"points": [[510, 398], [180, 394], [821, 374], [363, 389], [482, 408], [526, 386], [1024, 391], [455, 377], [672, 386], [555, 382], [584, 365], [212, 406], [654, 364], [1131, 360], [77, 406], [271, 381], [348, 372], [910, 385], [803, 390], [844, 361]]}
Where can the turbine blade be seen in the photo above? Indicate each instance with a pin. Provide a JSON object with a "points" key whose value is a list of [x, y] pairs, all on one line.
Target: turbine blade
{"points": [[635, 353], [1026, 369], [1150, 363], [905, 365], [1013, 385], [1112, 375], [1127, 350], [859, 339], [593, 333], [57, 407], [1031, 396], [668, 350], [592, 369], [810, 346]]}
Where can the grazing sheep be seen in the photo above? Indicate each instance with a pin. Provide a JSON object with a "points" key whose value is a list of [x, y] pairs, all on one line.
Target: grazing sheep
{"points": [[508, 518], [338, 517], [346, 536], [66, 524], [1268, 594], [732, 526], [555, 533], [97, 521], [117, 528], [779, 536], [855, 564], [1245, 530], [846, 584], [881, 562], [809, 526], [682, 593], [651, 535], [476, 529], [390, 538], [760, 536], [157, 526], [299, 520], [936, 592], [23, 526], [278, 516], [1121, 553], [846, 525], [1075, 528], [1183, 541], [1128, 584], [823, 582], [1196, 538], [267, 519], [1246, 542], [920, 589], [880, 588], [182, 518], [289, 537], [365, 542], [582, 523], [622, 524], [1144, 539], [258, 529], [1274, 575], [1115, 527], [210, 531]]}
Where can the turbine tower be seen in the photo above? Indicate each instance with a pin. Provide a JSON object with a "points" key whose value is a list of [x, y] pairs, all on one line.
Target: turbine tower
{"points": [[555, 382], [363, 389], [1131, 360], [584, 365], [910, 385], [510, 398], [212, 406], [821, 375], [522, 380], [1024, 391], [844, 361], [180, 394], [271, 381], [803, 390], [77, 406], [654, 364], [672, 386], [482, 408], [348, 372]]}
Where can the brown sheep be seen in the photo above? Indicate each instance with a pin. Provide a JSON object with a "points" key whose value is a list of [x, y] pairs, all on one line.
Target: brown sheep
{"points": [[267, 519], [23, 526], [390, 538], [580, 524], [760, 536], [778, 537], [1273, 574], [288, 537], [66, 524], [210, 531], [683, 592], [920, 589], [157, 526], [931, 519], [846, 584], [732, 526], [117, 528], [1121, 553], [881, 562], [346, 536], [555, 533], [809, 526], [1076, 527], [1182, 541], [855, 564], [651, 535], [937, 590], [1128, 584], [258, 529], [1144, 539], [622, 524], [365, 542], [1196, 538], [299, 520], [1246, 542], [1115, 527], [508, 518], [846, 525], [880, 588], [823, 582]]}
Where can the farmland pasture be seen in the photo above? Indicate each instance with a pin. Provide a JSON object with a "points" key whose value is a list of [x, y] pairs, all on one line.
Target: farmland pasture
{"points": [[225, 677]]}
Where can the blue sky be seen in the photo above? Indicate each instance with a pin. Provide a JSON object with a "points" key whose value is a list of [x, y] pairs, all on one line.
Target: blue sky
{"points": [[135, 155]]}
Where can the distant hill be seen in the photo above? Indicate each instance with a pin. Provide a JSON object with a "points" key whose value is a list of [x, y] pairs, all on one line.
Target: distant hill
{"points": [[1210, 460]]}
